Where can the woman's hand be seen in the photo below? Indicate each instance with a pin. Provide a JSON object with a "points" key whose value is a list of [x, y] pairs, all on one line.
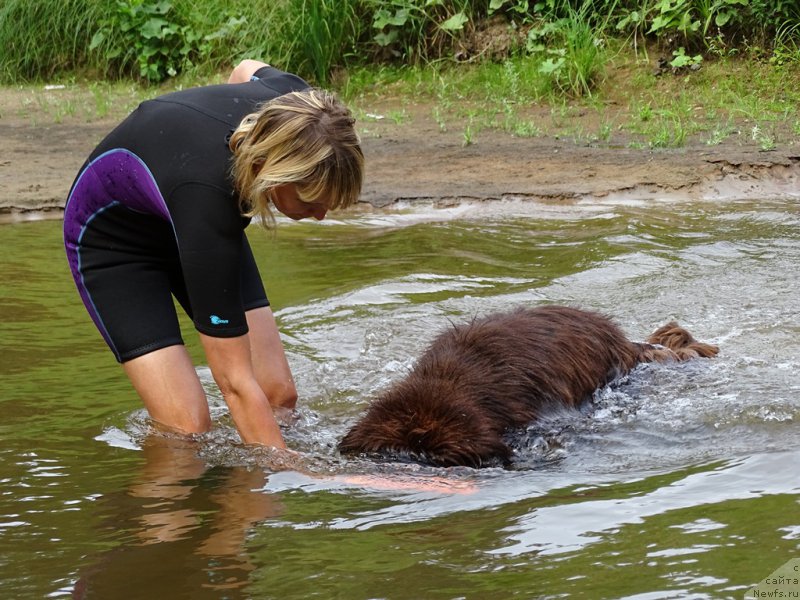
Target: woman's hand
{"points": [[231, 366]]}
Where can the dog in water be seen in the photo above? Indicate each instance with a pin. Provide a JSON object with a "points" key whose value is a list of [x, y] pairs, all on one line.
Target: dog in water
{"points": [[479, 381]]}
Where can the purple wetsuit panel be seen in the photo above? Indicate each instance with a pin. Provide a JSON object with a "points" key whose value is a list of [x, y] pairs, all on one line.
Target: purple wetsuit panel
{"points": [[115, 177]]}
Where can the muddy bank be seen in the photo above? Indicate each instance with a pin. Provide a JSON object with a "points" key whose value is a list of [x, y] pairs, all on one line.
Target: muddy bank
{"points": [[415, 160], [409, 166]]}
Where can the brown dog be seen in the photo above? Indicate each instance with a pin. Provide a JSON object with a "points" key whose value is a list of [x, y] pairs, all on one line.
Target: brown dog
{"points": [[478, 381]]}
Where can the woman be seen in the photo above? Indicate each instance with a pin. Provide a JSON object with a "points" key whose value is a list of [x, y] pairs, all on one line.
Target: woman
{"points": [[159, 209]]}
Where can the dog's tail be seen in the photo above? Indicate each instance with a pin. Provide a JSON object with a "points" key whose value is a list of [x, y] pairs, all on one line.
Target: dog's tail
{"points": [[673, 342]]}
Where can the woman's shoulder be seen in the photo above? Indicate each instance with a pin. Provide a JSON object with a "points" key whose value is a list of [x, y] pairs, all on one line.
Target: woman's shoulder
{"points": [[279, 82]]}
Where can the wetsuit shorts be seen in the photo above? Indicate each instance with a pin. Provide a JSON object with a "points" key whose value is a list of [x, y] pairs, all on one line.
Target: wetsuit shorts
{"points": [[128, 273]]}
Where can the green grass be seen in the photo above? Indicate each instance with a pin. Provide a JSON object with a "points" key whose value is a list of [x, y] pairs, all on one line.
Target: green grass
{"points": [[580, 76], [721, 103], [41, 39], [308, 36], [719, 134], [569, 44]]}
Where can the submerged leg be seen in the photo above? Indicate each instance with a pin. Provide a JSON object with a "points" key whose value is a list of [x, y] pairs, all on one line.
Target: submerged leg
{"points": [[167, 383]]}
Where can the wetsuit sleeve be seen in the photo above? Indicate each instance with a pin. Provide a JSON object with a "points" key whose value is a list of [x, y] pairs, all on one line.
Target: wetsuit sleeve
{"points": [[209, 231], [279, 81]]}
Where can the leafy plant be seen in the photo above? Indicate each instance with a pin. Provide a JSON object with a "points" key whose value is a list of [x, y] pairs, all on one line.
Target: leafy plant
{"points": [[694, 19], [513, 8], [418, 29], [604, 133], [719, 134], [437, 116], [645, 112], [150, 36], [524, 129], [771, 15], [675, 15], [633, 20], [151, 39], [681, 59], [720, 13]]}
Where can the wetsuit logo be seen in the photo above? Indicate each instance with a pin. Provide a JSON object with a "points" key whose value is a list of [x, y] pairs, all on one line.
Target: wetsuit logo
{"points": [[215, 320]]}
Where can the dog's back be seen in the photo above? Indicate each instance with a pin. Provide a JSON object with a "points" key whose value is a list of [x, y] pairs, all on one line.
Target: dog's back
{"points": [[481, 379]]}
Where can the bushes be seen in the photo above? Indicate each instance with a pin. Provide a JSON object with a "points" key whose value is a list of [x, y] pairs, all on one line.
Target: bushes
{"points": [[146, 39], [155, 39], [151, 35], [707, 24], [415, 30]]}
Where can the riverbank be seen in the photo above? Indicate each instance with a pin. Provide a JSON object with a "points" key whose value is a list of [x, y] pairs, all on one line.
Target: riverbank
{"points": [[415, 152]]}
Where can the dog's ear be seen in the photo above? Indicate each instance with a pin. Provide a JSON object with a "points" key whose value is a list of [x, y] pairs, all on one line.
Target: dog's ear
{"points": [[671, 336], [679, 340], [704, 350]]}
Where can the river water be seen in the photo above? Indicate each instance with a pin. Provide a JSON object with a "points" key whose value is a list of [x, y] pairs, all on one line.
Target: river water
{"points": [[681, 482]]}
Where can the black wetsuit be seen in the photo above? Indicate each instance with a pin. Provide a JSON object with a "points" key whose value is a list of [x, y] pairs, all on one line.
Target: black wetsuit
{"points": [[153, 214]]}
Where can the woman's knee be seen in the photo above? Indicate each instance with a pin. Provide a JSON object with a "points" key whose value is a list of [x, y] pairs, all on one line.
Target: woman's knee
{"points": [[198, 421], [282, 394]]}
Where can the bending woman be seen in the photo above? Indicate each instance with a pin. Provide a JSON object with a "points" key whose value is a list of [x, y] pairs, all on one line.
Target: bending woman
{"points": [[159, 209]]}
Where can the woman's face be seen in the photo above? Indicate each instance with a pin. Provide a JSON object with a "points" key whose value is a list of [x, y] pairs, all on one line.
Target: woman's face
{"points": [[286, 199]]}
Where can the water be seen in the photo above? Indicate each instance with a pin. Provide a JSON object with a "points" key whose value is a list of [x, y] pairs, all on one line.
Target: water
{"points": [[681, 483]]}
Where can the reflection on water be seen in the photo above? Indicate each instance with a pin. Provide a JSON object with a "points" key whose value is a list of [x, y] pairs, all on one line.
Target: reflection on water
{"points": [[183, 523], [680, 482]]}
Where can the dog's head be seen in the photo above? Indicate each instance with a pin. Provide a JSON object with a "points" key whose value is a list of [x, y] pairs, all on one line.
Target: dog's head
{"points": [[432, 422]]}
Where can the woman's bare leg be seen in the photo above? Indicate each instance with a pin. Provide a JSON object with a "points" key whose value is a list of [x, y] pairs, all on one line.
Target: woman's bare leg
{"points": [[269, 360], [167, 383]]}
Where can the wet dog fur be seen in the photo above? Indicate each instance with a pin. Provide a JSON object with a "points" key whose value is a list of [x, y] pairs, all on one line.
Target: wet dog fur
{"points": [[480, 380]]}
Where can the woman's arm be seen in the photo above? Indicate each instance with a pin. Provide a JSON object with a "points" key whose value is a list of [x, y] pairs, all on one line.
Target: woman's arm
{"points": [[231, 365], [244, 70]]}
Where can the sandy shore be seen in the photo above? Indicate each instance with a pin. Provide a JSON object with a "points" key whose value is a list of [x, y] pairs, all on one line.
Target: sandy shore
{"points": [[415, 160]]}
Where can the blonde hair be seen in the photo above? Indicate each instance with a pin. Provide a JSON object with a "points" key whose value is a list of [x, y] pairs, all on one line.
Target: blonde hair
{"points": [[305, 138]]}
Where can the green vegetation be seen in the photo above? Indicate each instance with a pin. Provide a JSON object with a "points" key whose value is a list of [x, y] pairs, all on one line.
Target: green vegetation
{"points": [[568, 40], [642, 73]]}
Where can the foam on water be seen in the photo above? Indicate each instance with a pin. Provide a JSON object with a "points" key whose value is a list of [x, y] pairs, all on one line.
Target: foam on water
{"points": [[727, 274]]}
